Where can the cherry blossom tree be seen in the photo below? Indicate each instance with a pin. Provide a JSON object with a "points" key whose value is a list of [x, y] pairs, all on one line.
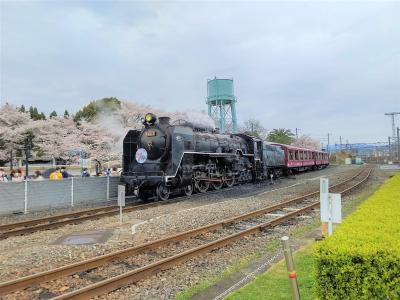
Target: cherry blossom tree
{"points": [[97, 142], [15, 125], [53, 137], [305, 141], [59, 136]]}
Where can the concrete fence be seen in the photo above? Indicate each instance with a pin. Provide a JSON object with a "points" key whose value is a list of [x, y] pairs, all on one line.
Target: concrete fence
{"points": [[37, 195]]}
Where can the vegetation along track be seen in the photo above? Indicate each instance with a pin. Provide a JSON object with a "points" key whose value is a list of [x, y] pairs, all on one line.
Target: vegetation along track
{"points": [[190, 243], [51, 222]]}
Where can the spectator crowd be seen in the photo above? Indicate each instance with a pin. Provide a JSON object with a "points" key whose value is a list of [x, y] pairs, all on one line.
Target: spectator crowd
{"points": [[51, 174]]}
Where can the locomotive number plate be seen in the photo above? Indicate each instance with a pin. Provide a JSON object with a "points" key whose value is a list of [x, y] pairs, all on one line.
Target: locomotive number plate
{"points": [[150, 133]]}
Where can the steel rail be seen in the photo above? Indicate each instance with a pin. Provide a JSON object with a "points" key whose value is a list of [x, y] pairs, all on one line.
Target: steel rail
{"points": [[136, 275], [54, 218], [29, 226], [24, 282], [19, 230]]}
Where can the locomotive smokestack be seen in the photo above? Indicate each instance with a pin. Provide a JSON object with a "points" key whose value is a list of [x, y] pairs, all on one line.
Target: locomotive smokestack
{"points": [[164, 120]]}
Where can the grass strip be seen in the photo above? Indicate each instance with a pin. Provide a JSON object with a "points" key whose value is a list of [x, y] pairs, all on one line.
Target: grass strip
{"points": [[274, 284]]}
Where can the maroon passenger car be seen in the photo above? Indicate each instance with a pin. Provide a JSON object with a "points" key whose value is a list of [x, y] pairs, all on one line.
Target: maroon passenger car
{"points": [[300, 159]]}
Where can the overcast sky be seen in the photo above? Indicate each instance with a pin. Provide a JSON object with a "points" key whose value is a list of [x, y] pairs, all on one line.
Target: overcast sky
{"points": [[318, 66]]}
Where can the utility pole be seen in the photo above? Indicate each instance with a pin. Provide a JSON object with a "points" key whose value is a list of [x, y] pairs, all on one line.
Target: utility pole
{"points": [[340, 138], [390, 150], [297, 129], [28, 147], [398, 144], [392, 114], [327, 147], [11, 160]]}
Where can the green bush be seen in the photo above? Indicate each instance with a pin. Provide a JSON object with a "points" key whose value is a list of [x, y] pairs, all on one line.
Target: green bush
{"points": [[361, 260]]}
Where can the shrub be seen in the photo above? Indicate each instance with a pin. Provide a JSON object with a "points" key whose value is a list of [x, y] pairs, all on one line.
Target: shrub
{"points": [[361, 260]]}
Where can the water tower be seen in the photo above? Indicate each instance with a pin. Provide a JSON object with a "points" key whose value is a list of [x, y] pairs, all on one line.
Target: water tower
{"points": [[221, 104]]}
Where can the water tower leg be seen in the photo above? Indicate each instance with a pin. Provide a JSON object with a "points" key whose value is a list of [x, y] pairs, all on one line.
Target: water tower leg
{"points": [[234, 119], [222, 117]]}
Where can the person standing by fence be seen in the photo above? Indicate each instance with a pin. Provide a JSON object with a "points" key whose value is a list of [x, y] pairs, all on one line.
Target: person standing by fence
{"points": [[64, 173], [85, 173], [56, 175], [21, 175], [115, 172], [17, 175], [13, 174], [3, 176], [38, 175]]}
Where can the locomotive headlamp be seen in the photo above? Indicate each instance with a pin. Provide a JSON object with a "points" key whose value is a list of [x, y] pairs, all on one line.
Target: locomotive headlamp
{"points": [[150, 118]]}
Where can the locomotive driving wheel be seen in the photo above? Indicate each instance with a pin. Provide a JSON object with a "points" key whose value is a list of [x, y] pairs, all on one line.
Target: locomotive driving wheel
{"points": [[188, 190], [229, 181], [162, 192], [217, 185], [202, 186]]}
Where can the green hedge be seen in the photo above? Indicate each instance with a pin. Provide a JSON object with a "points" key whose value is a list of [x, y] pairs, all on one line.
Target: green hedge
{"points": [[361, 260]]}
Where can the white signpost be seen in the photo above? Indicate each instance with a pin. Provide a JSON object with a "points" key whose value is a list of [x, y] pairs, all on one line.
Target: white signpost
{"points": [[324, 186], [330, 205], [121, 200]]}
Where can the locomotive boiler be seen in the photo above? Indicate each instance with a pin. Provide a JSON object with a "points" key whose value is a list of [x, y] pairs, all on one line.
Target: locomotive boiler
{"points": [[163, 158]]}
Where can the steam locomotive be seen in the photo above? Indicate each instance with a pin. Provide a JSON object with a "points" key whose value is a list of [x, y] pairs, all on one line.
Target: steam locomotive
{"points": [[165, 158]]}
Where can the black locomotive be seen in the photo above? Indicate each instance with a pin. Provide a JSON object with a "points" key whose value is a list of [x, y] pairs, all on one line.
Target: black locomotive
{"points": [[165, 158]]}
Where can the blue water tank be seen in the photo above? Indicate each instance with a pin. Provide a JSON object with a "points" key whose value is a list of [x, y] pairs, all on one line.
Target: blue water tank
{"points": [[220, 89]]}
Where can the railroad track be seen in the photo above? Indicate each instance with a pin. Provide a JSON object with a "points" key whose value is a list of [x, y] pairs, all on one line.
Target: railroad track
{"points": [[193, 242], [30, 226], [25, 227]]}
